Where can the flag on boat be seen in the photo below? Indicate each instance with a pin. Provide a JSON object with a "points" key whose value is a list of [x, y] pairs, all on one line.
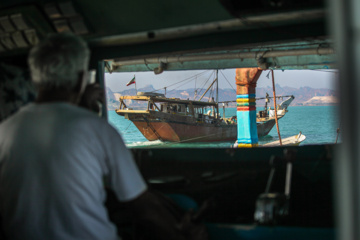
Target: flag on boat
{"points": [[132, 81]]}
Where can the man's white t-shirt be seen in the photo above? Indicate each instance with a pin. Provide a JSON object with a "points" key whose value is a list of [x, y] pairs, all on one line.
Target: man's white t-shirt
{"points": [[53, 160]]}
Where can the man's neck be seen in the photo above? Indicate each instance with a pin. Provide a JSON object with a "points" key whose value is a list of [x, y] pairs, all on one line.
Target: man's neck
{"points": [[56, 96]]}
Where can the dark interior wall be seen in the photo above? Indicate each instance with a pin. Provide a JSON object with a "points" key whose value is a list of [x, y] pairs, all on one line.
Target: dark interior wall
{"points": [[236, 177], [109, 19], [16, 89]]}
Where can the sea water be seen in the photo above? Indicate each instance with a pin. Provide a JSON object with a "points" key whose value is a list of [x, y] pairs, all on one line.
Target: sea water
{"points": [[318, 123]]}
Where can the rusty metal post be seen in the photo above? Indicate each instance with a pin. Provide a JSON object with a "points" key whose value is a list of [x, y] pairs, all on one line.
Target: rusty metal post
{"points": [[276, 118]]}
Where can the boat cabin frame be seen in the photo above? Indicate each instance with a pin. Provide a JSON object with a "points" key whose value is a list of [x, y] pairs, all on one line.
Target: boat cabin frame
{"points": [[158, 103]]}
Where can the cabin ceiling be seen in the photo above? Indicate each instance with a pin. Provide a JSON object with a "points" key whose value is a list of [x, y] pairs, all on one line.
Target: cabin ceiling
{"points": [[162, 35]]}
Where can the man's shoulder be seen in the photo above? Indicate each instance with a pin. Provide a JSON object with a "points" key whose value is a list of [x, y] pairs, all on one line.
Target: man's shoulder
{"points": [[62, 112], [83, 115], [67, 118], [86, 119], [65, 109]]}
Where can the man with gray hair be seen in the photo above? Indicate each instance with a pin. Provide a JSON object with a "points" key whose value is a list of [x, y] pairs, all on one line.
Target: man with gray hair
{"points": [[55, 157]]}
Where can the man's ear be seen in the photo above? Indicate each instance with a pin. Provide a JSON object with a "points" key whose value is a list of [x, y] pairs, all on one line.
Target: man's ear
{"points": [[81, 84]]}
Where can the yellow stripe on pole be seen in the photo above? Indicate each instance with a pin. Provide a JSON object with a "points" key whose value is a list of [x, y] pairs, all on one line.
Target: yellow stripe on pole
{"points": [[247, 145], [241, 100]]}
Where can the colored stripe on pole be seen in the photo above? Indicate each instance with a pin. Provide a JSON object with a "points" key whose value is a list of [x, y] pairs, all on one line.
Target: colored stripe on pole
{"points": [[247, 140], [246, 96], [246, 104], [240, 100], [248, 108], [247, 145]]}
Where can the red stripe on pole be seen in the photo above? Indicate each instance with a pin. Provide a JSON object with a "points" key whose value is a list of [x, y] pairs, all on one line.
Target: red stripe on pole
{"points": [[251, 108]]}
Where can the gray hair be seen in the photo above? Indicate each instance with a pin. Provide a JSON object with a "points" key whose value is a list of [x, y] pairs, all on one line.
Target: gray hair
{"points": [[57, 61]]}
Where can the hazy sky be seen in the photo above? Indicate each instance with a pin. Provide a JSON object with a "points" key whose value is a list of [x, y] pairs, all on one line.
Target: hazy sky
{"points": [[202, 79]]}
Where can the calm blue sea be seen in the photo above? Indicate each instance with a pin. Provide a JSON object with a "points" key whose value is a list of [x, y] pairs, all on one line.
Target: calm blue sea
{"points": [[317, 123]]}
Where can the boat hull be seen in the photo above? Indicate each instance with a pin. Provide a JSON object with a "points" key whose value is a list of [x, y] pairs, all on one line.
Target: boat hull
{"points": [[183, 132]]}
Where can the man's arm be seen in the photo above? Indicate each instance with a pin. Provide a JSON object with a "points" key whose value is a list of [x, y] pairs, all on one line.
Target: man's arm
{"points": [[156, 217], [151, 214]]}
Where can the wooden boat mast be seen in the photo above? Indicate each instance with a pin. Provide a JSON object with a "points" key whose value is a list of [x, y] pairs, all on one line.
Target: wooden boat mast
{"points": [[208, 89], [217, 94]]}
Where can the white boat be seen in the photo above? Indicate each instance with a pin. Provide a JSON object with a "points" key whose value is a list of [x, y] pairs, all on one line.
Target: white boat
{"points": [[289, 141], [281, 108]]}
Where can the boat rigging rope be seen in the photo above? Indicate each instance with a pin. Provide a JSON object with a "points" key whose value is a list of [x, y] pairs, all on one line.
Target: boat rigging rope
{"points": [[152, 129], [203, 86], [126, 128], [186, 79], [228, 81], [194, 77]]}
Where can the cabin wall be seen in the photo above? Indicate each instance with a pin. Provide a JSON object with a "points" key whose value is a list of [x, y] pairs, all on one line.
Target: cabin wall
{"points": [[16, 89], [234, 179]]}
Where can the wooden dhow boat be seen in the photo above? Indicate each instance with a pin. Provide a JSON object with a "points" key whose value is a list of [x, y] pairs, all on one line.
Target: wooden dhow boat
{"points": [[178, 120]]}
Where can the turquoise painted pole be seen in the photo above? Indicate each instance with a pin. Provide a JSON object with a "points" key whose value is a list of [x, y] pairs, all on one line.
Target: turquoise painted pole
{"points": [[246, 79]]}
